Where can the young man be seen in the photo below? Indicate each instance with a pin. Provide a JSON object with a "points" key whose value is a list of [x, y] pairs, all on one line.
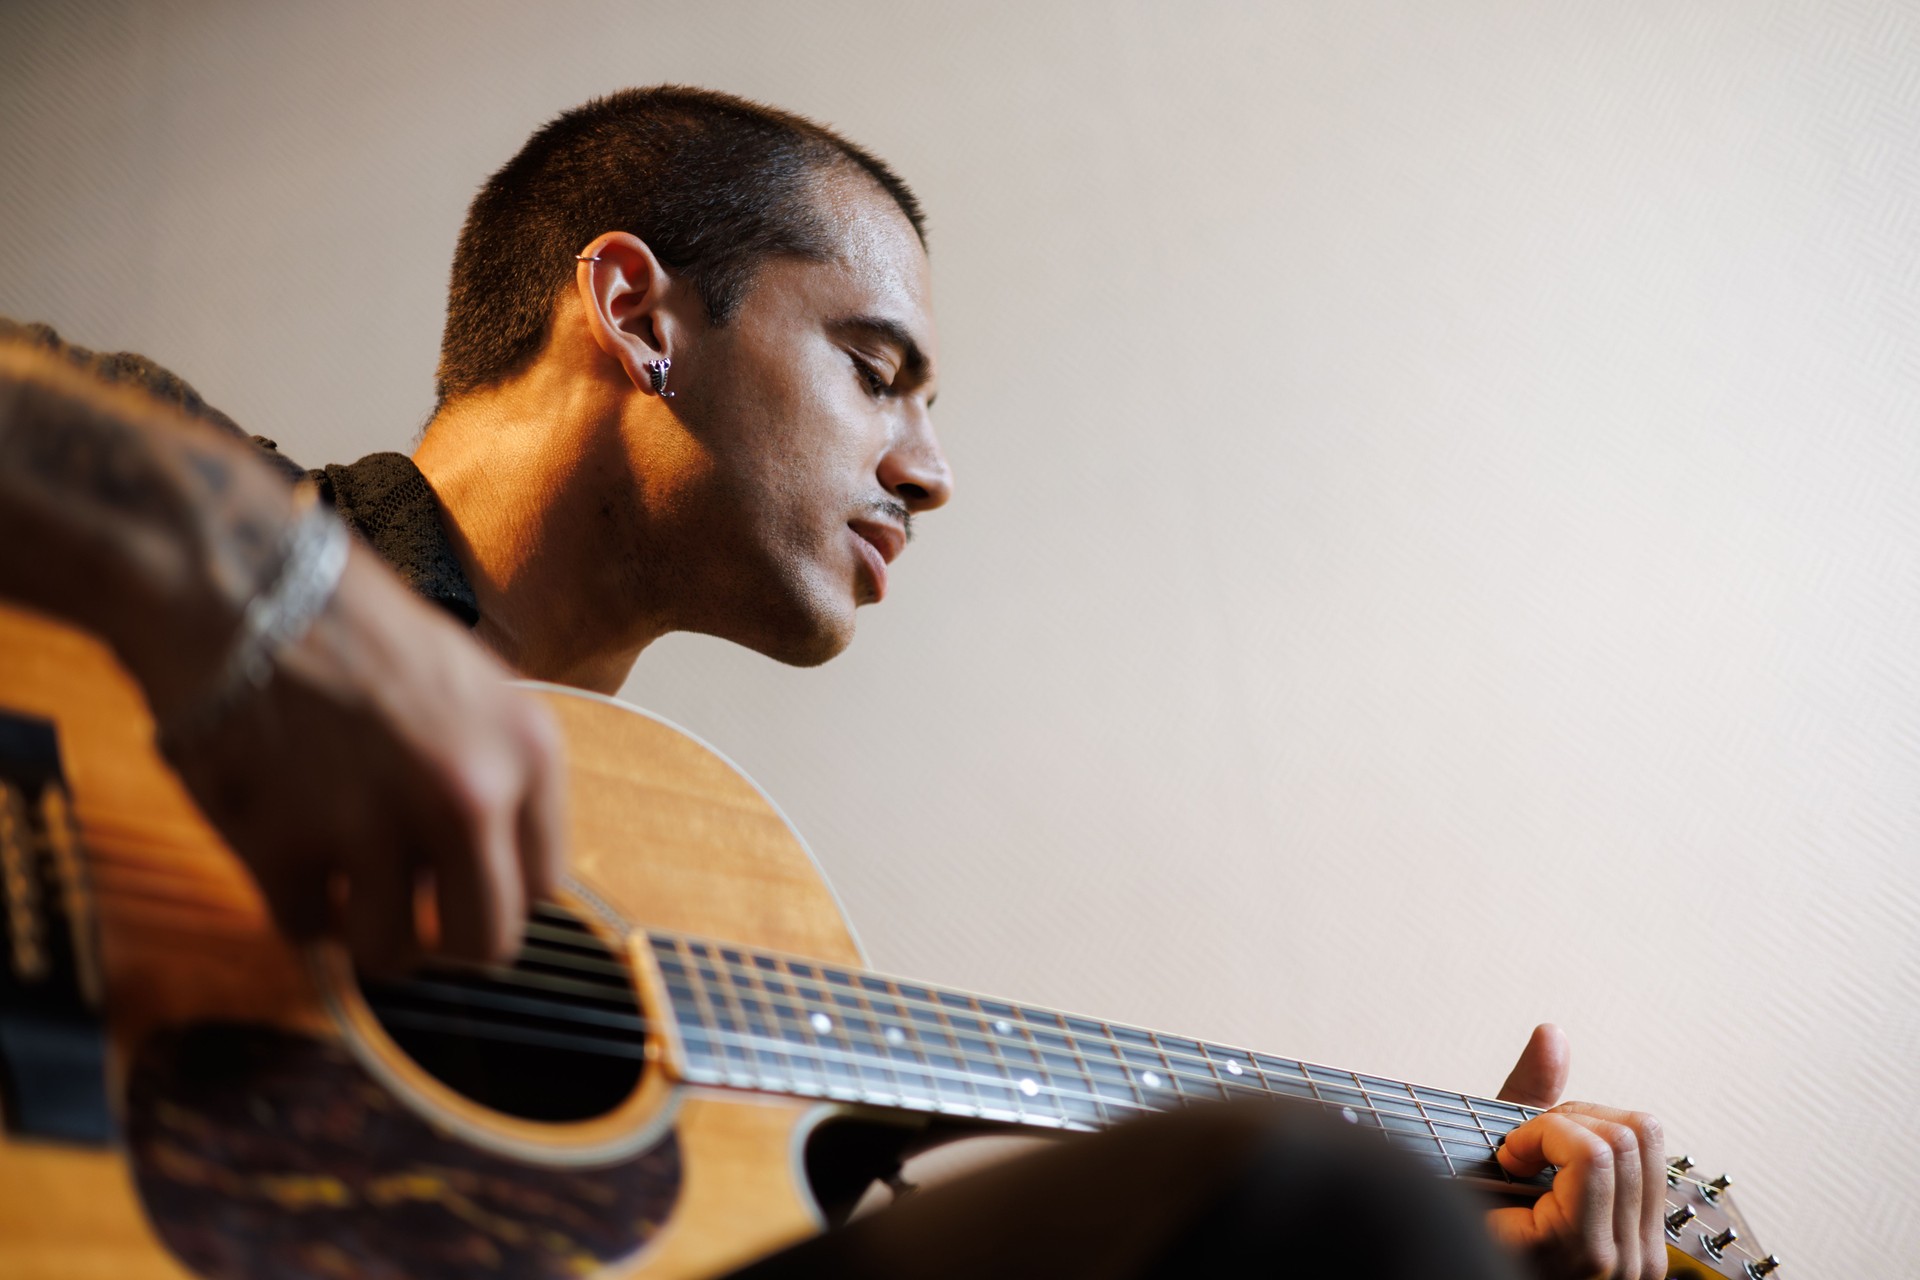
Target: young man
{"points": [[685, 384]]}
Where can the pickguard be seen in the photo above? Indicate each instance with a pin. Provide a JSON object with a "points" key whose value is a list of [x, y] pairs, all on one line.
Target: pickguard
{"points": [[261, 1154]]}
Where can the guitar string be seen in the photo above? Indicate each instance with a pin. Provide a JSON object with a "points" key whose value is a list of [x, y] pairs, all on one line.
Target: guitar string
{"points": [[1348, 1081], [866, 1090], [1458, 1134], [930, 1069], [1475, 1108], [1482, 1155], [1430, 1140], [983, 1017], [606, 1045], [504, 976], [602, 1044]]}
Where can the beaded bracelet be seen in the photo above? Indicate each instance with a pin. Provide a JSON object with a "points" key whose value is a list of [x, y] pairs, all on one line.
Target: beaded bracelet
{"points": [[315, 555]]}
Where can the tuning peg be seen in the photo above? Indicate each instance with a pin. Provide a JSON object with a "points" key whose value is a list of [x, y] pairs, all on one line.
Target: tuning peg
{"points": [[1712, 1190], [1763, 1268], [1677, 1166], [1679, 1218], [1717, 1244]]}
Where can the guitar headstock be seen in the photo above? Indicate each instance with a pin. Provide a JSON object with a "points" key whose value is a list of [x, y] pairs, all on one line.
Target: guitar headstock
{"points": [[1707, 1238]]}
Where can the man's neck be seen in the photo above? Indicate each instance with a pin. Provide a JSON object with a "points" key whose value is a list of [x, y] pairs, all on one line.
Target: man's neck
{"points": [[524, 475]]}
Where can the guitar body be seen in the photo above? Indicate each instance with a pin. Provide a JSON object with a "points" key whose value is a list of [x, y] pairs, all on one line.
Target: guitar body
{"points": [[263, 1125]]}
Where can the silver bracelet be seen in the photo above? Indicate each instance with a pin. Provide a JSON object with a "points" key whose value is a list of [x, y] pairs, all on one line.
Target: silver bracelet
{"points": [[281, 612]]}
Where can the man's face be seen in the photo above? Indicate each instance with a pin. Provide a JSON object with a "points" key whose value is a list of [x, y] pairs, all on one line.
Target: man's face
{"points": [[810, 407]]}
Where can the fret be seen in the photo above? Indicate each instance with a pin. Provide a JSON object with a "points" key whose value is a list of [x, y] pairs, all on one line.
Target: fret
{"points": [[1150, 1068], [919, 1087], [733, 1058], [795, 1030], [761, 1007], [1058, 1066], [885, 1045], [1114, 1078], [689, 1013], [819, 1028], [1062, 1053], [861, 1037], [976, 1034], [1235, 1070], [1189, 1075], [1287, 1079], [945, 1058]]}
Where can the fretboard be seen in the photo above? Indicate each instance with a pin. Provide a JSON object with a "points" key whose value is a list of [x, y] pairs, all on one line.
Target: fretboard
{"points": [[755, 1020]]}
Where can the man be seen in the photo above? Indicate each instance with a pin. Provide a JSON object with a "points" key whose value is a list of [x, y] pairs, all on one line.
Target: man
{"points": [[685, 384]]}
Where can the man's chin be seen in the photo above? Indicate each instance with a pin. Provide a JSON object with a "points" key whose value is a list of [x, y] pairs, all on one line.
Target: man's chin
{"points": [[821, 639]]}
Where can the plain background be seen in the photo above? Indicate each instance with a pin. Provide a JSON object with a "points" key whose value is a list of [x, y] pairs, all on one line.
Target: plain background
{"points": [[1436, 535]]}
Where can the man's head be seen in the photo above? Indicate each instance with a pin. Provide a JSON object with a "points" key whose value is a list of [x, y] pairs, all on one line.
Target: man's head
{"points": [[715, 185], [783, 272]]}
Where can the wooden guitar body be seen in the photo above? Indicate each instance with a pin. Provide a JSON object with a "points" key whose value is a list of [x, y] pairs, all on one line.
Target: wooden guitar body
{"points": [[663, 833]]}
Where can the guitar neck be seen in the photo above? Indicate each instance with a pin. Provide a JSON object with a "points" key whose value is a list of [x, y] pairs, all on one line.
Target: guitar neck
{"points": [[756, 1020]]}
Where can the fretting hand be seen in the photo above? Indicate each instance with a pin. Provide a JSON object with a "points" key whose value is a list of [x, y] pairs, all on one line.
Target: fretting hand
{"points": [[1603, 1216]]}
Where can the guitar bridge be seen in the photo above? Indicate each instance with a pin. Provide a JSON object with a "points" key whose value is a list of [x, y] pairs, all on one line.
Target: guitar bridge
{"points": [[52, 1036]]}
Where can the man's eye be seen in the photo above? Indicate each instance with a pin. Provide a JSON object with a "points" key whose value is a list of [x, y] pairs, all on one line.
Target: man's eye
{"points": [[876, 385]]}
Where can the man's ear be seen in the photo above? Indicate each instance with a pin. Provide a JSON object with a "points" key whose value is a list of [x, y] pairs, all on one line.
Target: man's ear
{"points": [[624, 290]]}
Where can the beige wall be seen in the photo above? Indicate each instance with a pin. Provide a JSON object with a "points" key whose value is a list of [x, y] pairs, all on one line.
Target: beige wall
{"points": [[1436, 535]]}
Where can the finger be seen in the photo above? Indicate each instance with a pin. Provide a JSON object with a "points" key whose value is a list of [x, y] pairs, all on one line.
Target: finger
{"points": [[1650, 1139], [543, 826], [1575, 1217], [1539, 1078], [1628, 1190], [482, 903], [1653, 1202], [380, 920]]}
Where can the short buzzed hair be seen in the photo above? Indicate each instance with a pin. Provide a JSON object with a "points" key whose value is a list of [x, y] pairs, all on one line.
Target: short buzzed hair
{"points": [[714, 184]]}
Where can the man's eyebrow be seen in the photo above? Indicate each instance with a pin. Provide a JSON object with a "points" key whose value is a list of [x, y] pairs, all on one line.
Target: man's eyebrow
{"points": [[913, 361]]}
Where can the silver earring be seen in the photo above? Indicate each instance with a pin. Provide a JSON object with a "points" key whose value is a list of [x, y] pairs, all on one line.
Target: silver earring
{"points": [[657, 374], [586, 257]]}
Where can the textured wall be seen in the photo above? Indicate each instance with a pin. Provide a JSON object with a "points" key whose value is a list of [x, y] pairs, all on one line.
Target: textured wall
{"points": [[1435, 545]]}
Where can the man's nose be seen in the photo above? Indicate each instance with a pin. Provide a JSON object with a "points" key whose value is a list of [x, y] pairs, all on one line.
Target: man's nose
{"points": [[914, 470]]}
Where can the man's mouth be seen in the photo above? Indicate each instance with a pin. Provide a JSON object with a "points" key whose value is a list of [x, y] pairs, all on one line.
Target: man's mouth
{"points": [[877, 543]]}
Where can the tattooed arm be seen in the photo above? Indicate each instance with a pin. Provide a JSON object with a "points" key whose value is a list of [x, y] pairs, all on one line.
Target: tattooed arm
{"points": [[386, 751]]}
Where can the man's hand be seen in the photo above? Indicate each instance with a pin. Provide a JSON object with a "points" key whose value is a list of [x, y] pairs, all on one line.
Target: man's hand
{"points": [[385, 765], [387, 762], [1603, 1216]]}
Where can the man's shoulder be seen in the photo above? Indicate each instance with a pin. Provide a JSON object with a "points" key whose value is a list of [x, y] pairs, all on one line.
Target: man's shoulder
{"points": [[129, 369]]}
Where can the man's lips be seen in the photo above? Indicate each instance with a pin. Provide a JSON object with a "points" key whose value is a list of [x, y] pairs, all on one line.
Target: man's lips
{"points": [[877, 543]]}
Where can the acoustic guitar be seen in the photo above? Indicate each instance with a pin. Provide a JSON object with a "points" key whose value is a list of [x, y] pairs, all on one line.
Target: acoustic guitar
{"points": [[685, 1068]]}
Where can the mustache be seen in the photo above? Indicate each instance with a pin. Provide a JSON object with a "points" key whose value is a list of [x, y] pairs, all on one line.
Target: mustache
{"points": [[891, 510]]}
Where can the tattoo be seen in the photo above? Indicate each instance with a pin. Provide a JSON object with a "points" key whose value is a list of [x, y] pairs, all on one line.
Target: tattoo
{"points": [[102, 481]]}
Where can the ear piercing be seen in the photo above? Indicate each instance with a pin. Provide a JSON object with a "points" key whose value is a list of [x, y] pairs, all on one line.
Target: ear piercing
{"points": [[656, 369]]}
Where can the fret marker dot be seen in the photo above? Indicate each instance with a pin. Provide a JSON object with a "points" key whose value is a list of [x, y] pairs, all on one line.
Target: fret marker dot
{"points": [[821, 1023], [1004, 1027], [896, 1036], [1350, 1115], [1233, 1069], [1150, 1080], [1029, 1087]]}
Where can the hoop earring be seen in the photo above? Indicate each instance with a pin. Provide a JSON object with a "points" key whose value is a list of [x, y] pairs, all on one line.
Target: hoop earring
{"points": [[657, 375]]}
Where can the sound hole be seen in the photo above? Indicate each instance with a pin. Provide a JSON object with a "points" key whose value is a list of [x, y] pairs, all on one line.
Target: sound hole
{"points": [[556, 1036]]}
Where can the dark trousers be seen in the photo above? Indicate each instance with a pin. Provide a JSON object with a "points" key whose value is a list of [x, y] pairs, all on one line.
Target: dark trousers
{"points": [[1253, 1190]]}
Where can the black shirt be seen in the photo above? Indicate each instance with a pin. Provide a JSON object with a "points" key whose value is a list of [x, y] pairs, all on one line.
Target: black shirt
{"points": [[383, 497]]}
